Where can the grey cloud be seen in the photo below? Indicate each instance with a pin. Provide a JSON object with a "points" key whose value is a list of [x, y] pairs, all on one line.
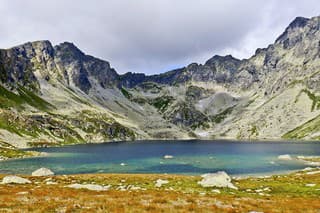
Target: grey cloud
{"points": [[152, 36]]}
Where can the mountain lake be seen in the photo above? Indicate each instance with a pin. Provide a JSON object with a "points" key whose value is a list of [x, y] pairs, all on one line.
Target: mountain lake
{"points": [[192, 157]]}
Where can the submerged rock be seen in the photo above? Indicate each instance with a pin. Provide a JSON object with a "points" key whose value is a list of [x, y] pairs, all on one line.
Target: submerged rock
{"points": [[15, 179], [161, 182], [42, 172], [284, 157], [93, 187], [168, 157], [218, 179]]}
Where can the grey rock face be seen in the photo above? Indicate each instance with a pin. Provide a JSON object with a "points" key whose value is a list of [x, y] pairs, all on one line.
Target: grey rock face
{"points": [[296, 25], [64, 62], [185, 114], [19, 63], [223, 67], [80, 67]]}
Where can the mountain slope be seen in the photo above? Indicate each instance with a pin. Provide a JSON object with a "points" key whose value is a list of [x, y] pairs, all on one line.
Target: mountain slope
{"points": [[59, 95]]}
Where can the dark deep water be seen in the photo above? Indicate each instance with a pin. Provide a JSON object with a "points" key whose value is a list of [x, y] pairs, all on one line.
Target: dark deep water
{"points": [[190, 157]]}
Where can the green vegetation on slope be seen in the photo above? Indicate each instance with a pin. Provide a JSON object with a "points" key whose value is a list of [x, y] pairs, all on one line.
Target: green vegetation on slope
{"points": [[34, 100], [307, 129], [187, 115], [3, 73], [125, 93], [10, 99], [315, 99], [17, 124], [194, 93], [161, 103], [101, 124], [254, 131], [218, 118]]}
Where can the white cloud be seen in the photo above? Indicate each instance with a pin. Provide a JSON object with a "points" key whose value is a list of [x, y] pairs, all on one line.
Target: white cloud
{"points": [[152, 36]]}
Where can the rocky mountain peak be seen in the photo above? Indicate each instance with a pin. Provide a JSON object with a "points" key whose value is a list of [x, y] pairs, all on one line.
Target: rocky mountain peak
{"points": [[193, 67], [224, 67], [80, 68], [293, 33], [298, 22], [69, 51], [32, 49], [19, 63], [221, 59]]}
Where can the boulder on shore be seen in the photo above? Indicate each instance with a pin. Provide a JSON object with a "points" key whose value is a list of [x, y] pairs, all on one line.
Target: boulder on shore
{"points": [[218, 179], [93, 187], [284, 157], [161, 182], [15, 179], [42, 172]]}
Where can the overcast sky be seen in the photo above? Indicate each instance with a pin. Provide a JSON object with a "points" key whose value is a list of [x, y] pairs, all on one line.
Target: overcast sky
{"points": [[152, 36]]}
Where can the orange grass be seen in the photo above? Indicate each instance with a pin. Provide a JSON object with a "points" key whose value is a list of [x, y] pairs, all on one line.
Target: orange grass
{"points": [[182, 194]]}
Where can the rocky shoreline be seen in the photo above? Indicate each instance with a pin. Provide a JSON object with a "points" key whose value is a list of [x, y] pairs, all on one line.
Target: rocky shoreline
{"points": [[13, 154]]}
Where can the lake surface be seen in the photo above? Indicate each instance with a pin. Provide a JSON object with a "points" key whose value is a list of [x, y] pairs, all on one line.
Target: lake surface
{"points": [[189, 157]]}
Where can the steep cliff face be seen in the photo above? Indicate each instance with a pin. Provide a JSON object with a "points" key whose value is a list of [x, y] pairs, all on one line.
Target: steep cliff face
{"points": [[79, 68], [59, 95], [19, 63]]}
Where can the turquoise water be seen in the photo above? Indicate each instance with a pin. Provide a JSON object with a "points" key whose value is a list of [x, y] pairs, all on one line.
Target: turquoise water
{"points": [[189, 157]]}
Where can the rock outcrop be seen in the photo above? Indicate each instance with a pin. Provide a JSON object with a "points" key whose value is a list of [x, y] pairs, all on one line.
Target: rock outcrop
{"points": [[42, 172], [218, 179], [12, 179], [160, 183], [93, 187]]}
